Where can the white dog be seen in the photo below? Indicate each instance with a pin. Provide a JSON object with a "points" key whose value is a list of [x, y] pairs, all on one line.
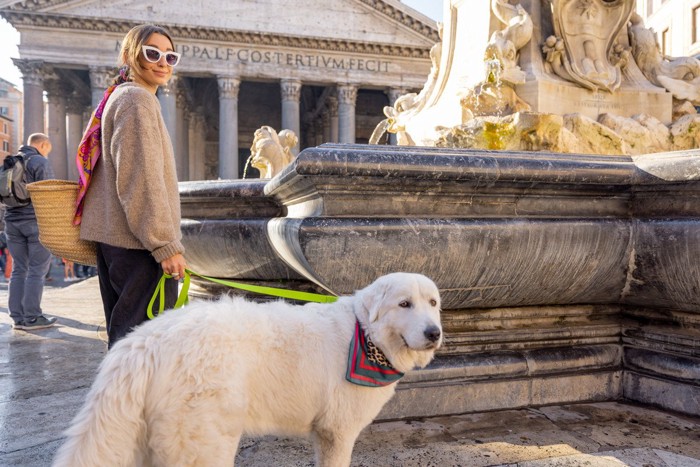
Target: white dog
{"points": [[181, 390]]}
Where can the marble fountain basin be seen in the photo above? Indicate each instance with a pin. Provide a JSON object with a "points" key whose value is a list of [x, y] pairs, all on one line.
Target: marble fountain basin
{"points": [[564, 277], [491, 228]]}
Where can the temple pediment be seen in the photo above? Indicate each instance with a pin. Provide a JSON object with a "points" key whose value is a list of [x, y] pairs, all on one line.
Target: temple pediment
{"points": [[373, 21]]}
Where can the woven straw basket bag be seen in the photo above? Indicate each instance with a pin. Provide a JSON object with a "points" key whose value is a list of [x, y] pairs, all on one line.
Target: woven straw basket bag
{"points": [[54, 204]]}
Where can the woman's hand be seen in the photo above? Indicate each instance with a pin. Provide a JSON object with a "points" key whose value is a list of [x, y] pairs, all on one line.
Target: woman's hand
{"points": [[175, 266]]}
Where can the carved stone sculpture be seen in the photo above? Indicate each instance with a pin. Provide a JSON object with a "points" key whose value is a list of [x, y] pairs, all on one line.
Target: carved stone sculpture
{"points": [[493, 96], [496, 96], [590, 61], [588, 29], [504, 44], [680, 76], [270, 151], [410, 103]]}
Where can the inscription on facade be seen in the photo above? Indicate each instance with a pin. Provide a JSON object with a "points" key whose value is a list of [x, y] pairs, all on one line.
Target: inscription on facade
{"points": [[288, 59]]}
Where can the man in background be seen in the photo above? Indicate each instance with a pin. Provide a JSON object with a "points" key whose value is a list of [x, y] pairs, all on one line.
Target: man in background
{"points": [[31, 261]]}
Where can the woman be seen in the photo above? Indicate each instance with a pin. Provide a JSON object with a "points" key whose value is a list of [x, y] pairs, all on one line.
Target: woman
{"points": [[129, 202]]}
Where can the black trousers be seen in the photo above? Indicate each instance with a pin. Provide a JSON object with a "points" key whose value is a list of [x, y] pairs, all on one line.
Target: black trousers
{"points": [[128, 279]]}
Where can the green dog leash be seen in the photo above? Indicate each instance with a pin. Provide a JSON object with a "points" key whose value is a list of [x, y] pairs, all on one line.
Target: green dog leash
{"points": [[159, 293]]}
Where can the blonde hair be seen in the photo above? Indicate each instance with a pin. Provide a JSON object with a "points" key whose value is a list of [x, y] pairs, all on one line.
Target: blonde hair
{"points": [[36, 139], [132, 43]]}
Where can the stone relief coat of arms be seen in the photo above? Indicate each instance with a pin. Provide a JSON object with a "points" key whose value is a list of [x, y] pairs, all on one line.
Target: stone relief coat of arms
{"points": [[589, 29]]}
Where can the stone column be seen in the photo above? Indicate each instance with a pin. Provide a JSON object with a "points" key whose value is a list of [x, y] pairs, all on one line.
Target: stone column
{"points": [[74, 131], [87, 115], [333, 116], [57, 127], [168, 108], [100, 79], [196, 139], [182, 135], [291, 93], [318, 125], [228, 127], [33, 84], [347, 95], [393, 94], [326, 118]]}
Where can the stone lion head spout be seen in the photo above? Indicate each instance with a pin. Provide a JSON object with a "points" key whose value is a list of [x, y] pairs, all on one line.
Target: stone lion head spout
{"points": [[271, 151]]}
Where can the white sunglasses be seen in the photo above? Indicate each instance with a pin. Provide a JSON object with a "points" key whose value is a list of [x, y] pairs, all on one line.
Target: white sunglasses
{"points": [[153, 55]]}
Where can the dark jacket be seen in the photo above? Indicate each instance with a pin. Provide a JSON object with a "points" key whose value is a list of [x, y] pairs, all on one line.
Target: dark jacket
{"points": [[37, 167]]}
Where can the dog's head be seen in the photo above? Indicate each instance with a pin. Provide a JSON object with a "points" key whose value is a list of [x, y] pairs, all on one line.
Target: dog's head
{"points": [[401, 314]]}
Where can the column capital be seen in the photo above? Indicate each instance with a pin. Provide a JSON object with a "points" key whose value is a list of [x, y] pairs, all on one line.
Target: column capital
{"points": [[55, 88], [33, 71], [170, 89], [184, 96], [196, 117], [228, 87], [74, 104], [347, 94], [291, 89], [395, 93], [332, 104], [101, 76]]}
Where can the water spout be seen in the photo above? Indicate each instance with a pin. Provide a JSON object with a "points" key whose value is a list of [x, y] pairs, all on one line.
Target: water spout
{"points": [[493, 71], [247, 164]]}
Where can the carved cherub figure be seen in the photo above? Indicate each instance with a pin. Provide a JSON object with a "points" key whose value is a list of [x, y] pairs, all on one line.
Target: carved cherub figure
{"points": [[271, 152]]}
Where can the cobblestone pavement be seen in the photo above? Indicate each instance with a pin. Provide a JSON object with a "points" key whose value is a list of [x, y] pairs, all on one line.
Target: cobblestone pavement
{"points": [[44, 376]]}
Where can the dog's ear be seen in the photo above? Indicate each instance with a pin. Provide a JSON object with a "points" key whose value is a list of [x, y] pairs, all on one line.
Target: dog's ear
{"points": [[372, 298]]}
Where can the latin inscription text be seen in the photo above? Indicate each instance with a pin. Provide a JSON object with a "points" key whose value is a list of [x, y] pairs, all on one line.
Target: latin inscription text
{"points": [[266, 57]]}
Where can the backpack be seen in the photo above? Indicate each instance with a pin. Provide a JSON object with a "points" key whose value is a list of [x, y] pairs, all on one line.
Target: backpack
{"points": [[13, 182]]}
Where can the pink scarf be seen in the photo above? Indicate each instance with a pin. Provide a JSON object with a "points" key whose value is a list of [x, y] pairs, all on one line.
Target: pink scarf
{"points": [[90, 147]]}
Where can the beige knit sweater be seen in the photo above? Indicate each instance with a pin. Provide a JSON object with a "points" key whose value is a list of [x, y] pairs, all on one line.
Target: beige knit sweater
{"points": [[133, 200]]}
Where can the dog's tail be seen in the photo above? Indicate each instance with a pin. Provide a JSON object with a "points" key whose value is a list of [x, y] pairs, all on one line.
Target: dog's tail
{"points": [[110, 428]]}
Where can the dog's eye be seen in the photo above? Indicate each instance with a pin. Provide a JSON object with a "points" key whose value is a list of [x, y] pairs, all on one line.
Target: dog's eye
{"points": [[433, 302], [405, 304]]}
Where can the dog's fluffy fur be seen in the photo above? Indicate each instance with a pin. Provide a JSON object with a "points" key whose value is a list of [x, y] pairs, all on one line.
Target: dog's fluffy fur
{"points": [[181, 390]]}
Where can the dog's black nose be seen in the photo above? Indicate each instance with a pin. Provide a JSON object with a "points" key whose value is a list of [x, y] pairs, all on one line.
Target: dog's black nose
{"points": [[432, 333]]}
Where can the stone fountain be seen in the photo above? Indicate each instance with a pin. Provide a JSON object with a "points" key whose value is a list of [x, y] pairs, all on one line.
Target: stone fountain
{"points": [[574, 76], [565, 277]]}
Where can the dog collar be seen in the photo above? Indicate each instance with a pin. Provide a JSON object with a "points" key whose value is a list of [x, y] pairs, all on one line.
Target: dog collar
{"points": [[367, 365]]}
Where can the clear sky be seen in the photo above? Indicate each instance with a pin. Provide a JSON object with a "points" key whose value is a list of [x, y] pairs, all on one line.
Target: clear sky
{"points": [[9, 38], [430, 8]]}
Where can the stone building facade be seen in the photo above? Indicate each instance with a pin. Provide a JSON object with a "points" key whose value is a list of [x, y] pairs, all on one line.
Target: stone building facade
{"points": [[677, 25], [322, 68], [10, 118], [5, 128]]}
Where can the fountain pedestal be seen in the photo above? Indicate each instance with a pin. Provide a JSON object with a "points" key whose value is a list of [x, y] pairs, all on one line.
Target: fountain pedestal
{"points": [[593, 60], [559, 98]]}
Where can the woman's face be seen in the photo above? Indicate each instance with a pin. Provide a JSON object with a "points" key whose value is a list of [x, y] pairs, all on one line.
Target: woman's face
{"points": [[151, 75]]}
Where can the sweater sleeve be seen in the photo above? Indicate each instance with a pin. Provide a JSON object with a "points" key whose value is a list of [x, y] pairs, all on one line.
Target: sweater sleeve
{"points": [[139, 158]]}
